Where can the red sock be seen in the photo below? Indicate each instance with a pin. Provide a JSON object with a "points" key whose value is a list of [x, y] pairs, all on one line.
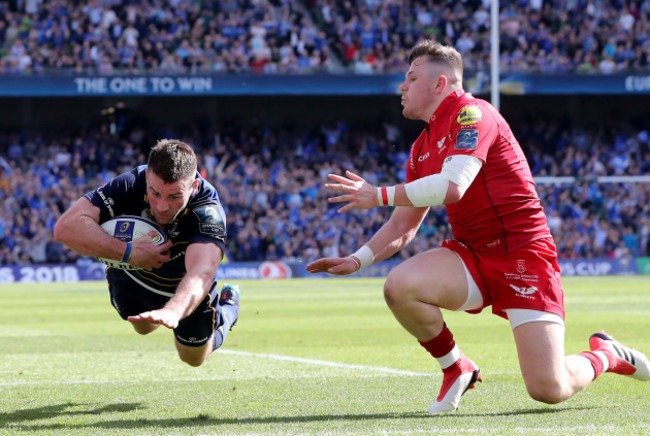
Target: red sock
{"points": [[596, 362], [441, 344]]}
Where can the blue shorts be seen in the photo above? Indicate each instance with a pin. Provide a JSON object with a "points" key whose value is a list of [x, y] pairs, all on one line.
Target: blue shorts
{"points": [[130, 298]]}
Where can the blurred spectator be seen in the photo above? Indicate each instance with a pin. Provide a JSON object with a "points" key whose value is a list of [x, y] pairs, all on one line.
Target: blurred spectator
{"points": [[291, 36], [269, 180]]}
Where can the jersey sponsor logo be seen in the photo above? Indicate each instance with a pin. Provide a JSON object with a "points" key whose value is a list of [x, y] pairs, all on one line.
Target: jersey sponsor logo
{"points": [[524, 277], [441, 143], [524, 291], [108, 202], [423, 157], [469, 115], [466, 139], [193, 340]]}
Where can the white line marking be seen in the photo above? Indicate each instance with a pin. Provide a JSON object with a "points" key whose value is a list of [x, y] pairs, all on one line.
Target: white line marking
{"points": [[380, 369], [328, 363], [486, 430]]}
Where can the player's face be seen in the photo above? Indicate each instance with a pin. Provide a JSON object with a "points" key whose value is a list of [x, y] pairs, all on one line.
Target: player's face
{"points": [[166, 200], [419, 90]]}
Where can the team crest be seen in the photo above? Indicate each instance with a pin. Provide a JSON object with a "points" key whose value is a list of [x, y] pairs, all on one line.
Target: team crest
{"points": [[521, 266]]}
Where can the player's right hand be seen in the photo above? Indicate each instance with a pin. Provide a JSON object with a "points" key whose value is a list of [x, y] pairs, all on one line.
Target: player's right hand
{"points": [[339, 266], [147, 255], [356, 191]]}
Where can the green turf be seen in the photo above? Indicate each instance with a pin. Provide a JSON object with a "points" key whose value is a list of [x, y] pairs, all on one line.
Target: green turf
{"points": [[69, 365]]}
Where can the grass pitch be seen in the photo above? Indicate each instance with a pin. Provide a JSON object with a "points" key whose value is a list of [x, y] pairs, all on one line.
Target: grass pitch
{"points": [[317, 357]]}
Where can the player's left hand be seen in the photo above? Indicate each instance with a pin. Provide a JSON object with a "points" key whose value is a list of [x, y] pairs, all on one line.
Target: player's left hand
{"points": [[340, 266], [358, 193], [167, 317]]}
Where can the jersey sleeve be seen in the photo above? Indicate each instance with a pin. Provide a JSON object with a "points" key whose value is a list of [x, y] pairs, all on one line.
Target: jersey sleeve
{"points": [[114, 197], [211, 224], [473, 131]]}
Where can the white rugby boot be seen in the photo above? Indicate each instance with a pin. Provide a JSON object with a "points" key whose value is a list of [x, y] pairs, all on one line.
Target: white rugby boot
{"points": [[457, 379], [622, 360]]}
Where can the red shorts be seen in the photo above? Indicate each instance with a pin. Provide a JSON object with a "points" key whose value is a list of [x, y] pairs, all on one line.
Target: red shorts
{"points": [[527, 278]]}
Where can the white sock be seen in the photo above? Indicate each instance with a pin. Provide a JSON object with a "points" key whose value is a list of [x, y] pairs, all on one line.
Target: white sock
{"points": [[603, 358], [450, 358]]}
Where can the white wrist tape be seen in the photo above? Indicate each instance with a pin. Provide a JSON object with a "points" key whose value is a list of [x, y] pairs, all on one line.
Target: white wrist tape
{"points": [[365, 255], [427, 191], [386, 196]]}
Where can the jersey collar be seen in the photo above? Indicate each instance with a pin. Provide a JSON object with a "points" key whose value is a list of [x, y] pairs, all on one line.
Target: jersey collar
{"points": [[446, 104]]}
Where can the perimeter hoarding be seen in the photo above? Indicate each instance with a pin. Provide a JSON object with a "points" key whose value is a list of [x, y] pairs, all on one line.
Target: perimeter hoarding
{"points": [[48, 273]]}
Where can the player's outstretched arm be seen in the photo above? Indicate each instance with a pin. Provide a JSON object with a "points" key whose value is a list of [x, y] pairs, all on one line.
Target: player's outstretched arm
{"points": [[167, 317], [359, 194], [398, 231], [457, 174], [201, 263]]}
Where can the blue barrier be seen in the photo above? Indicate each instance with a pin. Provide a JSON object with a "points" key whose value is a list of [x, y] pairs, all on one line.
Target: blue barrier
{"points": [[48, 273], [68, 85]]}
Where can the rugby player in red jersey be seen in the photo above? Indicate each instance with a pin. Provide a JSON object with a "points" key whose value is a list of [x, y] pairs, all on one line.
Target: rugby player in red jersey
{"points": [[502, 254]]}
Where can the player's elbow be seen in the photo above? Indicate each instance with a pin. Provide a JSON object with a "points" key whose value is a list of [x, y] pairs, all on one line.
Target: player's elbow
{"points": [[454, 193], [60, 230]]}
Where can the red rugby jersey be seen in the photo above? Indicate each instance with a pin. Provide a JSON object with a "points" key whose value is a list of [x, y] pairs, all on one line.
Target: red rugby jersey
{"points": [[501, 210]]}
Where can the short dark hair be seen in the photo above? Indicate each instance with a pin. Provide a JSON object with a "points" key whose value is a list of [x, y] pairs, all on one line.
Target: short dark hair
{"points": [[172, 160], [438, 53]]}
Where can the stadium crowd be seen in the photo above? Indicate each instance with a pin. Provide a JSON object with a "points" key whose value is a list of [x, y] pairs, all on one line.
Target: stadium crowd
{"points": [[270, 181], [289, 36]]}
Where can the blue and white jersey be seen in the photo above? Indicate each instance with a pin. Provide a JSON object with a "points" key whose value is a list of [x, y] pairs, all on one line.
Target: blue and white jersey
{"points": [[203, 220]]}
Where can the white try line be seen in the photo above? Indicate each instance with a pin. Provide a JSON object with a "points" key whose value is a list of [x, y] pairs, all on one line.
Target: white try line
{"points": [[328, 363], [591, 429], [366, 368]]}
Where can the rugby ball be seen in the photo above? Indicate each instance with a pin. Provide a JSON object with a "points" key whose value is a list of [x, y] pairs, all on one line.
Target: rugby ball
{"points": [[129, 228]]}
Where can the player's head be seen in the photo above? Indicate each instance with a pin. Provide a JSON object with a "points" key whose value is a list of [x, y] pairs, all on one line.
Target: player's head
{"points": [[172, 160], [171, 179], [435, 71]]}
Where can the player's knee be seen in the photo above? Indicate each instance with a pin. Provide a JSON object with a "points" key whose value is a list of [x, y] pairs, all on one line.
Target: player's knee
{"points": [[395, 288], [144, 328], [549, 392], [390, 291], [192, 360], [193, 356]]}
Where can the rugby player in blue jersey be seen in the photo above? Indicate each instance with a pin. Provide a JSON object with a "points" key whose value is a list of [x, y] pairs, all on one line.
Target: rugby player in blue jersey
{"points": [[176, 285]]}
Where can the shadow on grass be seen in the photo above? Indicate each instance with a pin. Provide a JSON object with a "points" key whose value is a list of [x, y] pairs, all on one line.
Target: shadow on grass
{"points": [[64, 409], [204, 420]]}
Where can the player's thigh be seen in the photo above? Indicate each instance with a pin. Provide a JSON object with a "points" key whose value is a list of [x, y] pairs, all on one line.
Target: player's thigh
{"points": [[436, 277], [129, 298], [540, 347]]}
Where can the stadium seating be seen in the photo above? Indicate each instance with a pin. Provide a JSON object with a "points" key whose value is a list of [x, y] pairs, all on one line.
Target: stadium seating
{"points": [[270, 37], [275, 202]]}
